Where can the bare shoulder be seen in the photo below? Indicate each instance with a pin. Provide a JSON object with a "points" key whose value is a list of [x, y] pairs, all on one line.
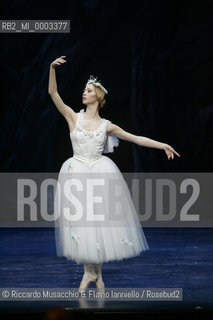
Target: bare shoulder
{"points": [[110, 127], [121, 133], [72, 115], [71, 118]]}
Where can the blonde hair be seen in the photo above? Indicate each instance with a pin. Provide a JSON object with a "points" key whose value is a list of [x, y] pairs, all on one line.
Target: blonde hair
{"points": [[100, 94]]}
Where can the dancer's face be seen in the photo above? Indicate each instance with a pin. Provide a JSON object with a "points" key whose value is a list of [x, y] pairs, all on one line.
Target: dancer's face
{"points": [[89, 95]]}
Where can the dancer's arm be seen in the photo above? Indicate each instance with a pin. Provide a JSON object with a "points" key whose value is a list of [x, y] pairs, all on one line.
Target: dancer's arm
{"points": [[140, 140], [65, 110]]}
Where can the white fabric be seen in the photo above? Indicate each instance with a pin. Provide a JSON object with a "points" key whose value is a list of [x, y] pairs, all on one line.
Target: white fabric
{"points": [[94, 241], [111, 140]]}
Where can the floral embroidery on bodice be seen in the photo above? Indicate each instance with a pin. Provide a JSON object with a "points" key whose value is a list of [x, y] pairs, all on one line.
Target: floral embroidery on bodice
{"points": [[88, 146]]}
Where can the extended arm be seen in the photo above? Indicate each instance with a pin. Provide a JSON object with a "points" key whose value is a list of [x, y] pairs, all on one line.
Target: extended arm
{"points": [[64, 109], [140, 140]]}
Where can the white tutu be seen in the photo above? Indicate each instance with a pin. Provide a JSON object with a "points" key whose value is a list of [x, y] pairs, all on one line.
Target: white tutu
{"points": [[104, 229]]}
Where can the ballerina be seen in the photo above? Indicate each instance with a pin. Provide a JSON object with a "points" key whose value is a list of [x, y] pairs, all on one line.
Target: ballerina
{"points": [[91, 136]]}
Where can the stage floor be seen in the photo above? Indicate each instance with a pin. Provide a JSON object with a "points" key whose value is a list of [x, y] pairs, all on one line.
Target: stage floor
{"points": [[178, 258]]}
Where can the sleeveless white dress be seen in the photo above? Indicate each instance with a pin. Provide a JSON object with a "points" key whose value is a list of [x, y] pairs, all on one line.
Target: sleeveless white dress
{"points": [[116, 232]]}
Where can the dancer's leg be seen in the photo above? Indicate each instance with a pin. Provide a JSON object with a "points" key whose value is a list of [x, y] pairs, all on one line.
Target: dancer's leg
{"points": [[89, 271], [99, 282], [98, 270]]}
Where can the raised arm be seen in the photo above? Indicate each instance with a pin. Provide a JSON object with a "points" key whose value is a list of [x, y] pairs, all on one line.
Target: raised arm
{"points": [[140, 140], [69, 114]]}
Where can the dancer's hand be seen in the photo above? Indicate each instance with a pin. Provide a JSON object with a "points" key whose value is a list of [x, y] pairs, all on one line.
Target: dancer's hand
{"points": [[58, 62], [170, 151]]}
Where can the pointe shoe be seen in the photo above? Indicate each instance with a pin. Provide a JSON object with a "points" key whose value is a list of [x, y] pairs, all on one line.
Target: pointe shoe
{"points": [[84, 284], [100, 286]]}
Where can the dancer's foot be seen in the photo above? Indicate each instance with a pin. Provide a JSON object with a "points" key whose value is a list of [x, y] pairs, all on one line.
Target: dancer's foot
{"points": [[100, 286], [89, 276], [99, 283], [84, 283]]}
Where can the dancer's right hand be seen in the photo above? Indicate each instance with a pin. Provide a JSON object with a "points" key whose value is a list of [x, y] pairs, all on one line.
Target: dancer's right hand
{"points": [[58, 62]]}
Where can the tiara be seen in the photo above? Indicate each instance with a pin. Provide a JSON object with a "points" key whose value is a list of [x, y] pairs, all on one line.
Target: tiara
{"points": [[96, 82]]}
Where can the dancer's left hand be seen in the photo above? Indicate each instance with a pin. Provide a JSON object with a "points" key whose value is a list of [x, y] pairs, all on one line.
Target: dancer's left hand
{"points": [[170, 151]]}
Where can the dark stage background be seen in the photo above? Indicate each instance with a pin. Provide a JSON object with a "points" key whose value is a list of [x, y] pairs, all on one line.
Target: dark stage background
{"points": [[156, 60]]}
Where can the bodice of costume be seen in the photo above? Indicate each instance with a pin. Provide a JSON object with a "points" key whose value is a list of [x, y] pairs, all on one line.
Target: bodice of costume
{"points": [[88, 146]]}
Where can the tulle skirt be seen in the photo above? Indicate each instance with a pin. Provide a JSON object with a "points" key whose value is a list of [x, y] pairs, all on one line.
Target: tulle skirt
{"points": [[100, 224]]}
